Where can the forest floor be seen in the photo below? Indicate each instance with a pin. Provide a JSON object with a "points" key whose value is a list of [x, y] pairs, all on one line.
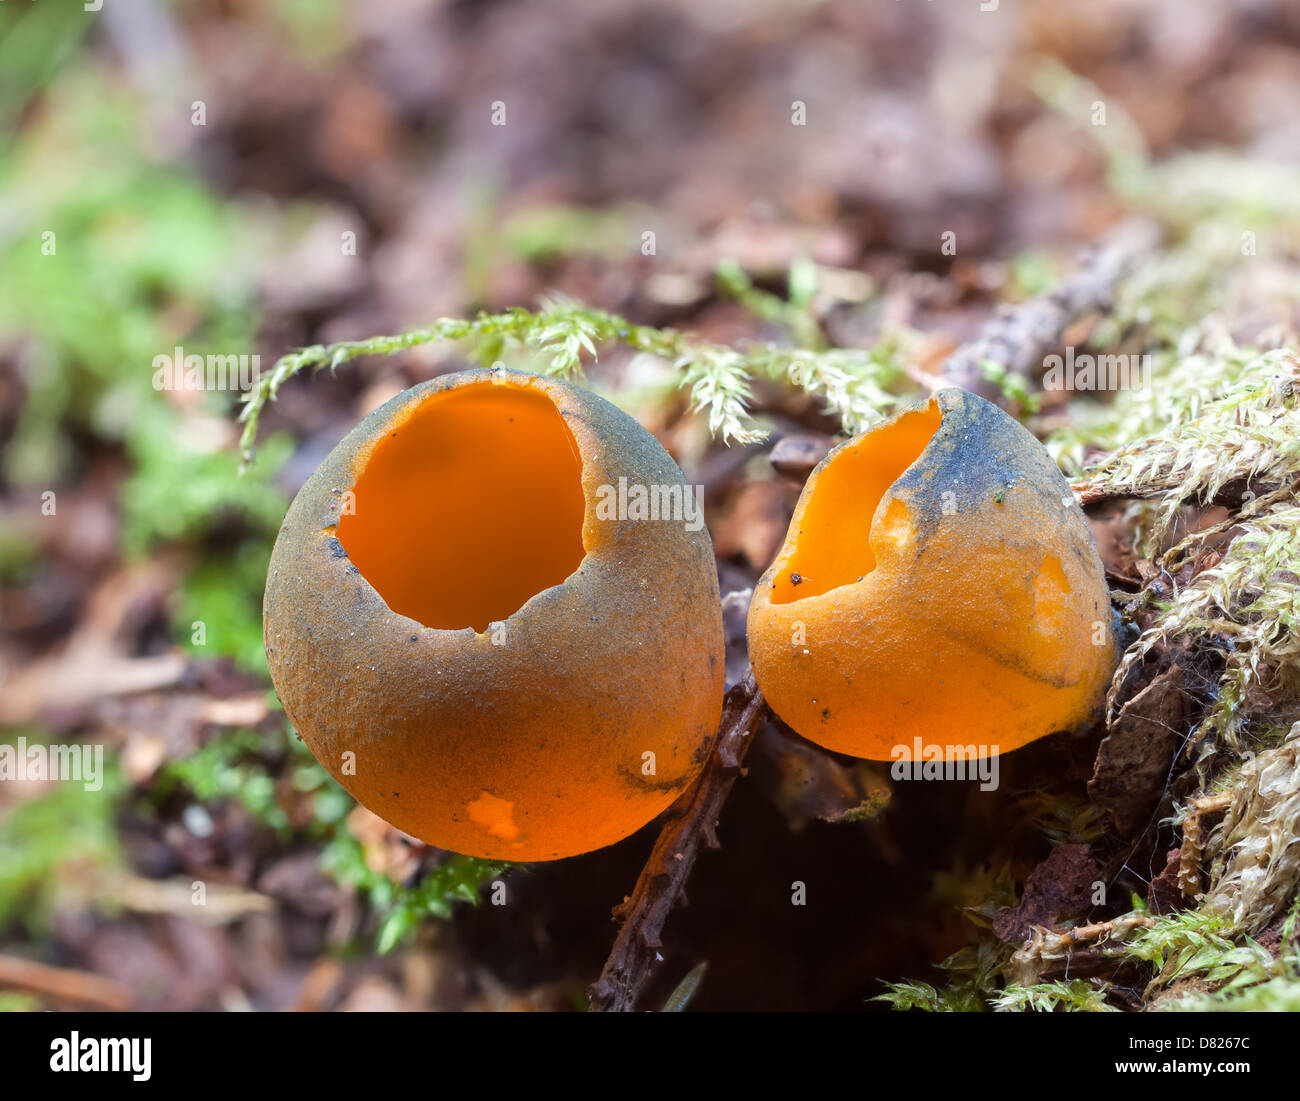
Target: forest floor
{"points": [[844, 205]]}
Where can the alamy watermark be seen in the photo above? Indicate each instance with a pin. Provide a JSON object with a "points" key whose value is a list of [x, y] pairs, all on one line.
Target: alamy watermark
{"points": [[178, 371], [99, 1054], [920, 761], [82, 763], [632, 501], [1089, 372]]}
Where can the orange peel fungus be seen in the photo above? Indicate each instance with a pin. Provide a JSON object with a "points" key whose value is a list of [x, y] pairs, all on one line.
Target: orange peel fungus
{"points": [[471, 645], [938, 588]]}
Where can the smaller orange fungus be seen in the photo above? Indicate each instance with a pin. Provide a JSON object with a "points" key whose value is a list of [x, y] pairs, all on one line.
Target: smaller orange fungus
{"points": [[939, 586]]}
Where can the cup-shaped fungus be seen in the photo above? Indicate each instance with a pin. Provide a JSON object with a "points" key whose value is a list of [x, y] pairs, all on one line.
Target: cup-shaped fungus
{"points": [[938, 588], [492, 613]]}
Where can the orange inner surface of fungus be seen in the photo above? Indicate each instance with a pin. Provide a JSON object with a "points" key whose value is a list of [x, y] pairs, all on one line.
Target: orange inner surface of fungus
{"points": [[832, 546], [469, 507]]}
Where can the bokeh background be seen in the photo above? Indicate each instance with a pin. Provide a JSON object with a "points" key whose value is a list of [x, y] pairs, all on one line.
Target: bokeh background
{"points": [[200, 165]]}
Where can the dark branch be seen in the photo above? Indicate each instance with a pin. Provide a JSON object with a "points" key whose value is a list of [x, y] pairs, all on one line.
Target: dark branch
{"points": [[1231, 495], [693, 820], [1020, 336]]}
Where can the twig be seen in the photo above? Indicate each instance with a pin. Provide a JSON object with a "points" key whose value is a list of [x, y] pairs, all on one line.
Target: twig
{"points": [[1086, 493], [662, 880], [1020, 337], [1047, 953], [1231, 495], [63, 984], [222, 902]]}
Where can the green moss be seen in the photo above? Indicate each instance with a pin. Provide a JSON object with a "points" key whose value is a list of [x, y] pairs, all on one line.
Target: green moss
{"points": [[1075, 996], [972, 989], [43, 839], [219, 606], [18, 554], [144, 259], [401, 909], [15, 1001], [243, 765]]}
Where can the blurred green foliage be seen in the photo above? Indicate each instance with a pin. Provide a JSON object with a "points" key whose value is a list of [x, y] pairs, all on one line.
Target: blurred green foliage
{"points": [[543, 232], [1033, 272], [42, 838], [317, 27], [794, 314], [14, 1001], [18, 552], [143, 259], [243, 765], [174, 495], [225, 594], [36, 40]]}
